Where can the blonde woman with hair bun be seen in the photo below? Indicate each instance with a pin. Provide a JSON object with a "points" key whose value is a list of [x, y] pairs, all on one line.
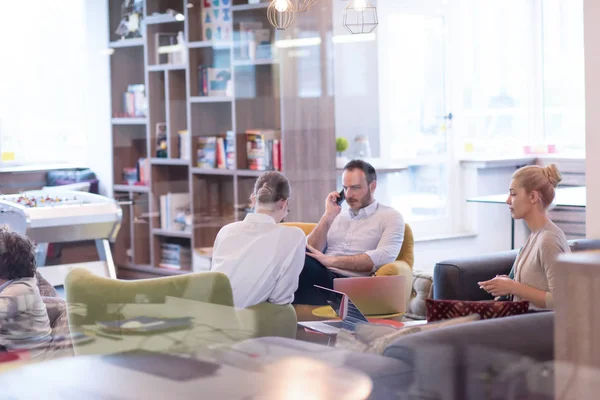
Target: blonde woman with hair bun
{"points": [[531, 193]]}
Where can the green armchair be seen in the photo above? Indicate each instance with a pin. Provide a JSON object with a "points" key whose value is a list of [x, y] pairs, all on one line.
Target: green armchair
{"points": [[207, 297]]}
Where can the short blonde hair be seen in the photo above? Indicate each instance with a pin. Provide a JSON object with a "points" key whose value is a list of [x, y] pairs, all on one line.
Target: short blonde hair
{"points": [[541, 179]]}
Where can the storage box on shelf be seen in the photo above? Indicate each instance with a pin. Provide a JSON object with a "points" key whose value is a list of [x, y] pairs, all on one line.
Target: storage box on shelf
{"points": [[208, 82]]}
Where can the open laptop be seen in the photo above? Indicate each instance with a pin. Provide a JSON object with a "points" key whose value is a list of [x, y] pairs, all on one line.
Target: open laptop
{"points": [[344, 308], [375, 295]]}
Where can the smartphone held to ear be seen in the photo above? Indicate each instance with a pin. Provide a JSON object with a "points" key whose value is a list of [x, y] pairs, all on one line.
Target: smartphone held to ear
{"points": [[341, 199]]}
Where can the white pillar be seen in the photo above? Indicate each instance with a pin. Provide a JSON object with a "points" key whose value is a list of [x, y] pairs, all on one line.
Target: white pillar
{"points": [[591, 37]]}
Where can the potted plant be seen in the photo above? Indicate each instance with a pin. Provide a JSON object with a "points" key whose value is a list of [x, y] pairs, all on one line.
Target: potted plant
{"points": [[341, 145]]}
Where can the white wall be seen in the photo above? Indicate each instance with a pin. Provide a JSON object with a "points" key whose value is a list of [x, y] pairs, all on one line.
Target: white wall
{"points": [[97, 94], [591, 11]]}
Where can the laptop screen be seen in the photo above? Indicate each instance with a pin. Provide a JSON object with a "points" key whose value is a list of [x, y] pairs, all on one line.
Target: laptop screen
{"points": [[344, 308]]}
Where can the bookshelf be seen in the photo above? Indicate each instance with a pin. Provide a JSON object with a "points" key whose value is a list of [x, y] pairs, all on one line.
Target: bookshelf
{"points": [[265, 94]]}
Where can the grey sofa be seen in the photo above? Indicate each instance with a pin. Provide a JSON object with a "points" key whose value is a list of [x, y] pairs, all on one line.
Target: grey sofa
{"points": [[456, 279], [482, 359]]}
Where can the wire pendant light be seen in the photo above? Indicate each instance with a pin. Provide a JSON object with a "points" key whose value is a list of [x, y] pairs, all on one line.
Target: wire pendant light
{"points": [[303, 5], [360, 16], [281, 13]]}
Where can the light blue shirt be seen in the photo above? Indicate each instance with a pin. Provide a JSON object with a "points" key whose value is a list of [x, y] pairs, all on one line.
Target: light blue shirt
{"points": [[377, 231]]}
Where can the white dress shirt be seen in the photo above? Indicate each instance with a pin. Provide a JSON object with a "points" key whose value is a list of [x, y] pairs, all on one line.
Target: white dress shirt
{"points": [[376, 230], [262, 259]]}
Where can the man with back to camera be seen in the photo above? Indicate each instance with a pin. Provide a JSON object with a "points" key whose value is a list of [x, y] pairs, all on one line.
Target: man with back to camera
{"points": [[356, 242]]}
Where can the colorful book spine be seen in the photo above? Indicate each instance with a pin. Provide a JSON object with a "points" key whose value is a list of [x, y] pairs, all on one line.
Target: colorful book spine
{"points": [[263, 150], [221, 153], [230, 150], [255, 152], [277, 154], [202, 80], [206, 155]]}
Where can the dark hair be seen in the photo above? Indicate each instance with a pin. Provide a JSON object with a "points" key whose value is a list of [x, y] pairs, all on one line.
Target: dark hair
{"points": [[17, 256], [364, 166], [271, 187]]}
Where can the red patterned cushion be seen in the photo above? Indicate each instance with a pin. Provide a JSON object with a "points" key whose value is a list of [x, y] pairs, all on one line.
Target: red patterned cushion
{"points": [[446, 309]]}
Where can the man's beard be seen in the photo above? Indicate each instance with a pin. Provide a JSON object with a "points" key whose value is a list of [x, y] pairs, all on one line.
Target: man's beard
{"points": [[365, 200]]}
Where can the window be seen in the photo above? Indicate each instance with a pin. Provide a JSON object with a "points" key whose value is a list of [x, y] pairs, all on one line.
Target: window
{"points": [[41, 81], [460, 76], [519, 77], [563, 79], [495, 74], [413, 111]]}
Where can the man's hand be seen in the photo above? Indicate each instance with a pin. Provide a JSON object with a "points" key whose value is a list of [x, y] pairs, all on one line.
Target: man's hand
{"points": [[325, 260], [501, 285], [331, 208], [318, 237]]}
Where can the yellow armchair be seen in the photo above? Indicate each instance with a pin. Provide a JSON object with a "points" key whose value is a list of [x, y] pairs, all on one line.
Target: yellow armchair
{"points": [[403, 264]]}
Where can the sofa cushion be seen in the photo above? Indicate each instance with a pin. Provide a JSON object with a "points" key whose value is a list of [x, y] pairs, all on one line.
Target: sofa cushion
{"points": [[445, 309]]}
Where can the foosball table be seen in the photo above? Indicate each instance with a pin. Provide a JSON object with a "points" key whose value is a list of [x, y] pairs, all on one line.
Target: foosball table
{"points": [[58, 216]]}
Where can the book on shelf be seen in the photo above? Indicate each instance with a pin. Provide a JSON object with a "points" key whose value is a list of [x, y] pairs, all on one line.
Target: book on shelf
{"points": [[220, 150], [263, 149], [175, 256], [230, 150], [130, 176], [143, 171], [206, 154], [185, 146], [216, 151], [202, 259], [134, 102], [138, 175], [214, 81], [175, 212]]}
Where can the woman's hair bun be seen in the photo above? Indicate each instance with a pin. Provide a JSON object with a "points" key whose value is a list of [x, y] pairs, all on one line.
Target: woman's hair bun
{"points": [[553, 174]]}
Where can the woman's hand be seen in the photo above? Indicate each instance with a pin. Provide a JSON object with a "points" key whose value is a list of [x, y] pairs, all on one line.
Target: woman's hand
{"points": [[501, 285]]}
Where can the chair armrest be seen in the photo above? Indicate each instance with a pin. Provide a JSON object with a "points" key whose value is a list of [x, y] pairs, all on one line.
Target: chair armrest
{"points": [[399, 268], [584, 244], [457, 279], [266, 319]]}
